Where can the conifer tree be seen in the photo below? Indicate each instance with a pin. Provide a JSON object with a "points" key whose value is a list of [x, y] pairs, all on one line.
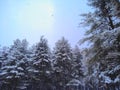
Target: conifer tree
{"points": [[62, 63], [14, 70], [103, 35], [41, 65], [77, 66]]}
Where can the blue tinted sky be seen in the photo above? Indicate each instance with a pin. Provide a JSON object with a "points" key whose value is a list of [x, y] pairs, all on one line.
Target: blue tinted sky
{"points": [[32, 18]]}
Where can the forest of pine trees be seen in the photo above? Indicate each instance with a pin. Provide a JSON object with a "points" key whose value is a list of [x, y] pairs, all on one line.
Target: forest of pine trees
{"points": [[38, 67], [96, 67]]}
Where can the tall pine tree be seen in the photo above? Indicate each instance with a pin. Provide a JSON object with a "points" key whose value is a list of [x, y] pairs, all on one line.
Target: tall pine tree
{"points": [[62, 63], [103, 35], [41, 68], [14, 69]]}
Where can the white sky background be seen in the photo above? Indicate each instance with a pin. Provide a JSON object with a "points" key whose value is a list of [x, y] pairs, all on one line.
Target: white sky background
{"points": [[32, 18]]}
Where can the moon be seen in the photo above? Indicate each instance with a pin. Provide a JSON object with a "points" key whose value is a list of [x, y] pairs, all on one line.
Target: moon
{"points": [[37, 16]]}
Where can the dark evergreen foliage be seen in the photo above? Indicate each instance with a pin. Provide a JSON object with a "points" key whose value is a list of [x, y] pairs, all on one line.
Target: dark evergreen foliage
{"points": [[36, 68], [103, 54]]}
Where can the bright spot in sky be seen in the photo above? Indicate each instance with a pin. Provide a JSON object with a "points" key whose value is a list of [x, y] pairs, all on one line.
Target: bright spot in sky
{"points": [[37, 16], [31, 19]]}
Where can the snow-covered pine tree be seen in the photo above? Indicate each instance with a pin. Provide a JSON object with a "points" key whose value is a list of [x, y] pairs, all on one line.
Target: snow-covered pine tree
{"points": [[104, 34], [77, 66], [77, 70], [41, 68], [14, 70], [62, 63], [3, 60], [3, 56]]}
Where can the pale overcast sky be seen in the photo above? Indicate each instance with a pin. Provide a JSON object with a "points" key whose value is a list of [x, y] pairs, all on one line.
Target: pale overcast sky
{"points": [[32, 18]]}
